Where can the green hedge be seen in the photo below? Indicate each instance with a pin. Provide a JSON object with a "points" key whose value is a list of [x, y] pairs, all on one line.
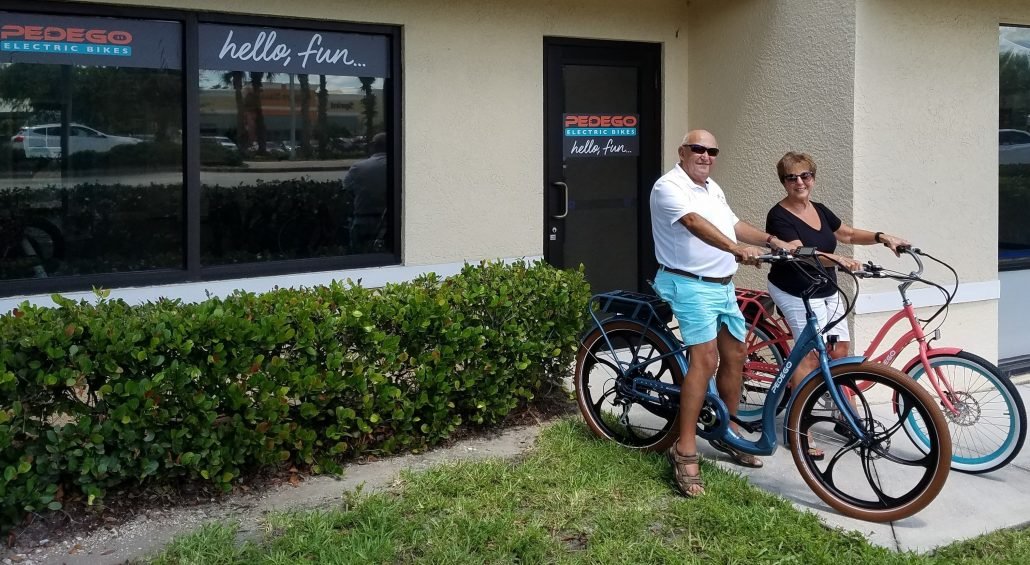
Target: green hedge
{"points": [[97, 396]]}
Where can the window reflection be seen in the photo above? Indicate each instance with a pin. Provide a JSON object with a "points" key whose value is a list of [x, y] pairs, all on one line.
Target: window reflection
{"points": [[294, 166], [1014, 145], [91, 158]]}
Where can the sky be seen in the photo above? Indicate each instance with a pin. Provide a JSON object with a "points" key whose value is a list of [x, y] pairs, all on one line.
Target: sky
{"points": [[1012, 38]]}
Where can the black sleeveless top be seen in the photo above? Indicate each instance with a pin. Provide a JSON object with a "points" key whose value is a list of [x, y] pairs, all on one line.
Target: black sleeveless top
{"points": [[788, 227]]}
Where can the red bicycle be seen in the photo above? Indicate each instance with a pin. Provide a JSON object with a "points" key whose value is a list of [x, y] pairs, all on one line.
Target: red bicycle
{"points": [[985, 413]]}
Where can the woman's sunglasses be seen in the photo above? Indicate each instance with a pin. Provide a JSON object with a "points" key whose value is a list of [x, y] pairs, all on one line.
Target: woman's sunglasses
{"points": [[793, 178], [699, 149]]}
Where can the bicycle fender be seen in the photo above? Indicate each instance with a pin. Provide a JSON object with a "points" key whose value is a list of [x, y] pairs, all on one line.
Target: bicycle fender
{"points": [[936, 352], [817, 374]]}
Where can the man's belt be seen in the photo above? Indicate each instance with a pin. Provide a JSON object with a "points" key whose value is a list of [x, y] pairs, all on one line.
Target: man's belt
{"points": [[717, 280]]}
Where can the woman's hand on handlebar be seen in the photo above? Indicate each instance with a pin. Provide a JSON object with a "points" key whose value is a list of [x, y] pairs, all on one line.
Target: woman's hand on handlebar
{"points": [[843, 263], [893, 243]]}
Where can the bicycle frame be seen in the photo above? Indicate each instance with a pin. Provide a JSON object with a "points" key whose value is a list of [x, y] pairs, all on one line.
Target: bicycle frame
{"points": [[915, 333], [810, 339], [635, 306], [754, 305], [751, 302]]}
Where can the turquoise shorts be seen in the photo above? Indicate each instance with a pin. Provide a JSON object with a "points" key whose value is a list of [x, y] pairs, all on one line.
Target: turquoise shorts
{"points": [[701, 307]]}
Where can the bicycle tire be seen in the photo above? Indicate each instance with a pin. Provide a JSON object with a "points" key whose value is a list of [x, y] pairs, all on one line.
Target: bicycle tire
{"points": [[597, 380], [975, 382], [887, 499], [762, 364]]}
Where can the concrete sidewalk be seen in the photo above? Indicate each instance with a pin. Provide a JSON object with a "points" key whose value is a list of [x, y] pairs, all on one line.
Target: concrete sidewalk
{"points": [[969, 505]]}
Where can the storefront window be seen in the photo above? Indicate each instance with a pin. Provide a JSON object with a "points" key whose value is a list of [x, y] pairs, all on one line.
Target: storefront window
{"points": [[91, 161], [108, 123], [1014, 148], [295, 160]]}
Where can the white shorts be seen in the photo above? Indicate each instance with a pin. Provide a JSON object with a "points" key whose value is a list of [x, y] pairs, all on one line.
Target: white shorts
{"points": [[826, 309]]}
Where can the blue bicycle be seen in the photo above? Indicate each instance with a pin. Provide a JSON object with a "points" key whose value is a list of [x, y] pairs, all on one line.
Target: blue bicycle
{"points": [[627, 380]]}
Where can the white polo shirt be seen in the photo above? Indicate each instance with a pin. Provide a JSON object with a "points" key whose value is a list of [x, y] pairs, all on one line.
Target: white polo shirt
{"points": [[674, 196]]}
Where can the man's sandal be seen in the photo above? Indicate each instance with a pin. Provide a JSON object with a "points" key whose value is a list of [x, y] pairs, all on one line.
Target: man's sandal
{"points": [[684, 480], [739, 457]]}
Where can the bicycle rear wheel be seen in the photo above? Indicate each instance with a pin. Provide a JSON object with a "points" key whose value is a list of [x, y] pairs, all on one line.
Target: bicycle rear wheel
{"points": [[989, 428], [603, 392], [886, 477], [762, 364]]}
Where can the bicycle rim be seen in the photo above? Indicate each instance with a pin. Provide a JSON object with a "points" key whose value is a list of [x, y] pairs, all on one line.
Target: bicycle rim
{"points": [[989, 427], [601, 391], [886, 478], [761, 366]]}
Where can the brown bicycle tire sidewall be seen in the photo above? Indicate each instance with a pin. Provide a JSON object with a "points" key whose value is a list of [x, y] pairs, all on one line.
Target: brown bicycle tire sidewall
{"points": [[587, 344], [944, 453]]}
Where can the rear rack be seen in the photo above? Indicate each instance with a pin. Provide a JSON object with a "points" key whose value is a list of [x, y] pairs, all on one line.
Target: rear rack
{"points": [[646, 308]]}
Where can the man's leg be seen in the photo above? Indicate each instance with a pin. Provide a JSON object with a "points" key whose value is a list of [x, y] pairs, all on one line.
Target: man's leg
{"points": [[729, 380], [731, 367], [703, 358]]}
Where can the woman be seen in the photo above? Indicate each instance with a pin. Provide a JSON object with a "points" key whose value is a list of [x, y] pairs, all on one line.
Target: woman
{"points": [[801, 222]]}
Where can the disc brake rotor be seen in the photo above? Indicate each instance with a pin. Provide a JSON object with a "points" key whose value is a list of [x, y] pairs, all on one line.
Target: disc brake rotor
{"points": [[967, 406]]}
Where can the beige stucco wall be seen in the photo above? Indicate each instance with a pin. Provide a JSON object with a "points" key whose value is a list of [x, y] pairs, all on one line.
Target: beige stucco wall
{"points": [[473, 97], [897, 101], [926, 153], [767, 78]]}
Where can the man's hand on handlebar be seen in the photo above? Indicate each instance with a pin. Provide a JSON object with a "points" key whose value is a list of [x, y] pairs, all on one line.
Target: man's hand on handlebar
{"points": [[747, 254]]}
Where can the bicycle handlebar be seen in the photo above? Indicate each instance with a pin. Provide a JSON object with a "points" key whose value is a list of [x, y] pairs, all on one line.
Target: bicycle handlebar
{"points": [[788, 255], [873, 271], [810, 256]]}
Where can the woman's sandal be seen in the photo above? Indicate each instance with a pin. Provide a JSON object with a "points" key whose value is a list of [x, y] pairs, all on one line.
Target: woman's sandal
{"points": [[684, 480], [814, 453], [741, 458]]}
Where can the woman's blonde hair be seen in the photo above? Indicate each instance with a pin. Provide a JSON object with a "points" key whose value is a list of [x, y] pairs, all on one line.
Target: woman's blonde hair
{"points": [[794, 158]]}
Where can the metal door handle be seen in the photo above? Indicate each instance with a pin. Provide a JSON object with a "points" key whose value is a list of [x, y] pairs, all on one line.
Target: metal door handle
{"points": [[565, 192]]}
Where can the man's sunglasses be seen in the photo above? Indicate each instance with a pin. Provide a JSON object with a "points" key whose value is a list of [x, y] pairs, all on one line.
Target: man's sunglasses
{"points": [[792, 178], [699, 149]]}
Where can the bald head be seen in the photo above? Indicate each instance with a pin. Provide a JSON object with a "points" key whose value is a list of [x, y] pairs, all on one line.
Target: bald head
{"points": [[700, 137], [698, 166]]}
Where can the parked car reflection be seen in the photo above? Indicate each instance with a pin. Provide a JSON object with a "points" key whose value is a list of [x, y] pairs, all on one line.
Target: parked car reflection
{"points": [[1013, 147], [44, 140], [219, 140]]}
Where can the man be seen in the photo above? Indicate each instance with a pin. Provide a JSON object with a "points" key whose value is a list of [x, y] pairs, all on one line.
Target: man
{"points": [[366, 179], [696, 239]]}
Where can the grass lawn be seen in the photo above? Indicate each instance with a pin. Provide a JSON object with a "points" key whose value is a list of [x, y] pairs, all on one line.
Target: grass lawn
{"points": [[571, 500]]}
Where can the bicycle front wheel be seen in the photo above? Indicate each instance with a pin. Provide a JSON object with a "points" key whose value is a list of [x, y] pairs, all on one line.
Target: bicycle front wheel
{"points": [[886, 476], [604, 382], [988, 425]]}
